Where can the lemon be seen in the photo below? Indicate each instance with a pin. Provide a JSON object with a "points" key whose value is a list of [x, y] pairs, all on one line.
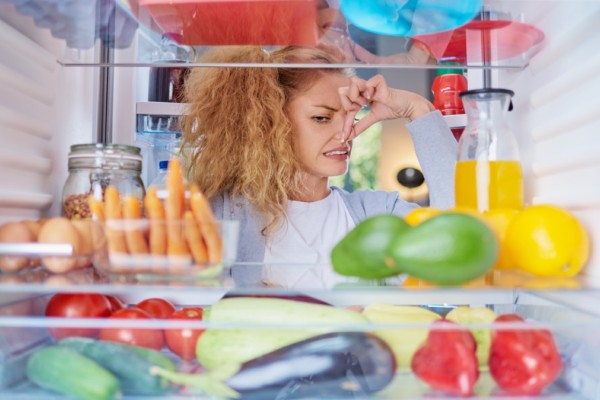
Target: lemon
{"points": [[499, 219], [547, 240], [418, 215]]}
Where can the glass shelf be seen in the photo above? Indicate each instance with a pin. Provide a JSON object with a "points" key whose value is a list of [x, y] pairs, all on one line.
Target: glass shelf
{"points": [[162, 33], [315, 279]]}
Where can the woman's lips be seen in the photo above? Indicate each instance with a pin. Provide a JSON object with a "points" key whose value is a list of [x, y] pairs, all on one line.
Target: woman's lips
{"points": [[340, 153]]}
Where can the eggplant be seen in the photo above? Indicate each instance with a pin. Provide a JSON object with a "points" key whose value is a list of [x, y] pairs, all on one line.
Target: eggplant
{"points": [[331, 365], [295, 296]]}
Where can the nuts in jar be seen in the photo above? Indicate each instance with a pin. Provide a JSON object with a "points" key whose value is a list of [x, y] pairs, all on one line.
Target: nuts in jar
{"points": [[76, 206]]}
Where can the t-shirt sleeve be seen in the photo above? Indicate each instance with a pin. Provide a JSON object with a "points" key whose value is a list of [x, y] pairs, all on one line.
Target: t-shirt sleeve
{"points": [[436, 150]]}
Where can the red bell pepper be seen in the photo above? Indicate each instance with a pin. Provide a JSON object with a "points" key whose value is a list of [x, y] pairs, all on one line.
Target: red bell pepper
{"points": [[523, 361], [447, 360]]}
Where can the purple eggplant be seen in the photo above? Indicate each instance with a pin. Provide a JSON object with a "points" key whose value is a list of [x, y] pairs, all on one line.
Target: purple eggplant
{"points": [[295, 296], [331, 365]]}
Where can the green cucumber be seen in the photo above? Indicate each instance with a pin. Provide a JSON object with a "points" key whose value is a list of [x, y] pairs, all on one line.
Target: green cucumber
{"points": [[221, 348], [130, 364], [66, 371]]}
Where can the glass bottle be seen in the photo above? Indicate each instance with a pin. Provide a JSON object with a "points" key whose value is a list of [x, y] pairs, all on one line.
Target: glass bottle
{"points": [[92, 167], [488, 171]]}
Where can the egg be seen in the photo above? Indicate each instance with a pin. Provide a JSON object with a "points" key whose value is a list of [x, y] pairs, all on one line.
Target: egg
{"points": [[33, 226], [60, 230], [15, 232], [84, 228]]}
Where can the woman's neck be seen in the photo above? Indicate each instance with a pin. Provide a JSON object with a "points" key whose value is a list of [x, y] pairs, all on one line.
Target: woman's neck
{"points": [[315, 192]]}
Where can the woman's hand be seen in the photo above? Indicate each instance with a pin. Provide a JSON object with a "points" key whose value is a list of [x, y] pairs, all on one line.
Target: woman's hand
{"points": [[384, 103]]}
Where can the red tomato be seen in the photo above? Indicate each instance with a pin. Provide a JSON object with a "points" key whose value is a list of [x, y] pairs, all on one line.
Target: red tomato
{"points": [[183, 341], [77, 305], [150, 338], [115, 303], [157, 308]]}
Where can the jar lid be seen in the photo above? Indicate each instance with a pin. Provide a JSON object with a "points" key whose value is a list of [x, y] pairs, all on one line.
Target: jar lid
{"points": [[106, 150]]}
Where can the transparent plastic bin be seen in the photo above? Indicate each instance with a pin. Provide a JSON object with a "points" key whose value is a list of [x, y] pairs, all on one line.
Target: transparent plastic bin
{"points": [[366, 358], [116, 239]]}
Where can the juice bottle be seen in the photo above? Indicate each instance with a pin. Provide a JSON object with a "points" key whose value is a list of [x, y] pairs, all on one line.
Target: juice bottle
{"points": [[488, 170]]}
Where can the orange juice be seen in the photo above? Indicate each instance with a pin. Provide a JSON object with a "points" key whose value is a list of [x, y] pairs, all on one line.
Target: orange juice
{"points": [[486, 185]]}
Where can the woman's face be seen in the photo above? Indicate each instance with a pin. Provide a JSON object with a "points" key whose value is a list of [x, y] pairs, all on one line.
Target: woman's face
{"points": [[317, 119]]}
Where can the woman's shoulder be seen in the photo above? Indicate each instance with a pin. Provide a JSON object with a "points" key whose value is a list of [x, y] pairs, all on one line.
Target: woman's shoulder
{"points": [[365, 203]]}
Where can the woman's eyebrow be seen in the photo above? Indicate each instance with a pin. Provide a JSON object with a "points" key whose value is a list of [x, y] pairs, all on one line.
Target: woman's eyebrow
{"points": [[327, 107]]}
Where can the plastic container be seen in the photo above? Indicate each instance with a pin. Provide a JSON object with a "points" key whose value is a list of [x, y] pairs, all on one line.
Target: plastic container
{"points": [[488, 171], [92, 167], [151, 264], [215, 22], [405, 18]]}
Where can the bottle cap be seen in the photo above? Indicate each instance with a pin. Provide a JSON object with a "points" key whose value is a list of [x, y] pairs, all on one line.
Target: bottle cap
{"points": [[164, 164]]}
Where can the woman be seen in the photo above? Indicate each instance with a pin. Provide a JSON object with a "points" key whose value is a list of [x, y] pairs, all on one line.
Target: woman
{"points": [[266, 140]]}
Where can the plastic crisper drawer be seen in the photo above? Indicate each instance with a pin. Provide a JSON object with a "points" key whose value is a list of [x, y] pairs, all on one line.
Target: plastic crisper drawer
{"points": [[366, 339]]}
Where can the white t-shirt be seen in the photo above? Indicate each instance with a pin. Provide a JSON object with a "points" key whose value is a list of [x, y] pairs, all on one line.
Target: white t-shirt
{"points": [[305, 242]]}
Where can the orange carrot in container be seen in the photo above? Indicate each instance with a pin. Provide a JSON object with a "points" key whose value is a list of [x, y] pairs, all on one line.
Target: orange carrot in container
{"points": [[207, 223], [112, 208], [97, 208], [156, 215], [174, 209], [194, 239], [132, 212]]}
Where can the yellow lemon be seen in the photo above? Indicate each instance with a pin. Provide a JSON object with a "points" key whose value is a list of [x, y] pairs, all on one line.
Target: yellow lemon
{"points": [[499, 219], [546, 240], [418, 215]]}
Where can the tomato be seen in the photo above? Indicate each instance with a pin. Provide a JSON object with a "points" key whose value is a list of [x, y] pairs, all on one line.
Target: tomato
{"points": [[157, 308], [115, 303], [183, 341], [150, 338], [77, 305]]}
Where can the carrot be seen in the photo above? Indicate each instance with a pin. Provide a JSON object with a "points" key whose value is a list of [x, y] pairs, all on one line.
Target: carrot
{"points": [[132, 211], [208, 224], [112, 206], [156, 214], [194, 239], [97, 208], [174, 209]]}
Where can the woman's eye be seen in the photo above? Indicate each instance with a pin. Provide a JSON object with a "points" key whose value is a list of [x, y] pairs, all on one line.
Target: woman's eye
{"points": [[321, 119]]}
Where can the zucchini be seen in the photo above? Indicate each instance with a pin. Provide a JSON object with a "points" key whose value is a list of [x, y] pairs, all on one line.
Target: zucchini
{"points": [[131, 366], [66, 371], [218, 348]]}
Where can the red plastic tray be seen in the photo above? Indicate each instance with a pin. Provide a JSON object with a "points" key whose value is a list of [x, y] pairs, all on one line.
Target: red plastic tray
{"points": [[235, 22], [508, 39]]}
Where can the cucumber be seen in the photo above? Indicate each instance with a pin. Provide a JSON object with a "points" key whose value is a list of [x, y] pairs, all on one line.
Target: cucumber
{"points": [[66, 371], [131, 366], [219, 348]]}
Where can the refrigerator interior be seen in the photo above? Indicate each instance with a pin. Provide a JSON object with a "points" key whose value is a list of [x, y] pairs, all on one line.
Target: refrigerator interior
{"points": [[51, 100]]}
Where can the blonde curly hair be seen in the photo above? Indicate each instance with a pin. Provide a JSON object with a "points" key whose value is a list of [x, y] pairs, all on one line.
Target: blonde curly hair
{"points": [[237, 134]]}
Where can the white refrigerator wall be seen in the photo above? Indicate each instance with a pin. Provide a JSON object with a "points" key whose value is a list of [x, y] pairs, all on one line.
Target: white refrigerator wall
{"points": [[556, 116], [45, 107]]}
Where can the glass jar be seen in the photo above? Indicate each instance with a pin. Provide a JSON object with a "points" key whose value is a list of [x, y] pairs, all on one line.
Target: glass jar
{"points": [[92, 168], [488, 171]]}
